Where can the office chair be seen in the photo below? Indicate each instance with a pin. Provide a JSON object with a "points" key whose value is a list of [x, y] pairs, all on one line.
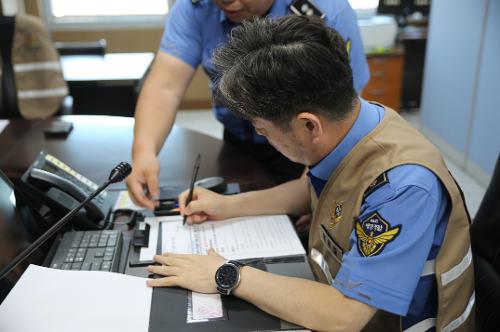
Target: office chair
{"points": [[32, 84], [97, 47], [485, 240]]}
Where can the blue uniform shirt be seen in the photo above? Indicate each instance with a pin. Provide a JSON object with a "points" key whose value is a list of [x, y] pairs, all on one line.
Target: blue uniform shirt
{"points": [[192, 32], [412, 199]]}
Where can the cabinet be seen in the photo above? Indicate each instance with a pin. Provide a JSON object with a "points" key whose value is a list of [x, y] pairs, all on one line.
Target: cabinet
{"points": [[386, 72]]}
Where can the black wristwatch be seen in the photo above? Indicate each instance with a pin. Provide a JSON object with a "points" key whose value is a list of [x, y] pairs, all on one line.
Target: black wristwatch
{"points": [[227, 276]]}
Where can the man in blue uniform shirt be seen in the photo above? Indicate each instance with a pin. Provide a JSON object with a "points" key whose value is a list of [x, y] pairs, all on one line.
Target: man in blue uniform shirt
{"points": [[192, 31], [388, 216]]}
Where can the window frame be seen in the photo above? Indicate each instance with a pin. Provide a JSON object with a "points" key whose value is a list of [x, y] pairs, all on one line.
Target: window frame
{"points": [[101, 22]]}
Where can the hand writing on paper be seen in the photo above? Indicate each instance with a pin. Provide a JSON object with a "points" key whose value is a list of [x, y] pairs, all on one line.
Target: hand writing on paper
{"points": [[194, 272], [205, 205]]}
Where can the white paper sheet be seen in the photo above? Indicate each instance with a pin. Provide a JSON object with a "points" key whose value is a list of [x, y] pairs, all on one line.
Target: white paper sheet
{"points": [[3, 124], [206, 306], [48, 300], [148, 252], [237, 238], [125, 202]]}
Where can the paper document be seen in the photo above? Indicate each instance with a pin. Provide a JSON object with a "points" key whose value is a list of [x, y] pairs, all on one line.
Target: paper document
{"points": [[237, 238], [48, 300], [125, 202], [206, 306], [3, 124], [148, 252]]}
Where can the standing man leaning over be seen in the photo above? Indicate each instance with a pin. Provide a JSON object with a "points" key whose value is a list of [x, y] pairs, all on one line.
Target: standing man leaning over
{"points": [[389, 239], [193, 30]]}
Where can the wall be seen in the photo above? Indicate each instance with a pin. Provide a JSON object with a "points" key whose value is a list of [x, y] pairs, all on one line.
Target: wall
{"points": [[143, 40], [458, 92]]}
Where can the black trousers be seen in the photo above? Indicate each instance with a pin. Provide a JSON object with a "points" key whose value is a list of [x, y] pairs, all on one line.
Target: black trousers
{"points": [[279, 167]]}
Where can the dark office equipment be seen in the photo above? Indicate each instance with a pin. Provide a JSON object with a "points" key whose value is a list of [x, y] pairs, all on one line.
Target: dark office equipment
{"points": [[8, 93], [59, 129], [403, 8], [414, 41], [20, 224], [59, 187], [214, 183], [97, 47], [306, 8], [119, 173], [88, 251], [486, 249], [412, 36]]}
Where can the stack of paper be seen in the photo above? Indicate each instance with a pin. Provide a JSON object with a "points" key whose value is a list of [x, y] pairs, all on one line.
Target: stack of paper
{"points": [[48, 300]]}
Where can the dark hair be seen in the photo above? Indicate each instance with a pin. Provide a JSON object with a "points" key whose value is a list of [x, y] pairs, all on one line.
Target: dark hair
{"points": [[276, 68]]}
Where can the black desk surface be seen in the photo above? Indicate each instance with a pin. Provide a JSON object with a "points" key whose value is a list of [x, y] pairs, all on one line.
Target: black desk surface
{"points": [[98, 143]]}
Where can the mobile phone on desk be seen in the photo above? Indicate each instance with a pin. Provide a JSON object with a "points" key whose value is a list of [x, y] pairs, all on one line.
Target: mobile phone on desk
{"points": [[169, 207], [58, 129]]}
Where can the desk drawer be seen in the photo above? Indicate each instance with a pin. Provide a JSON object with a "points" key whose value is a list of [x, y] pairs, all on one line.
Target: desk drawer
{"points": [[385, 80]]}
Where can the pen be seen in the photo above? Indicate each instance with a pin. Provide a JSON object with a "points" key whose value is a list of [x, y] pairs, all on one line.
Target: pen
{"points": [[193, 180]]}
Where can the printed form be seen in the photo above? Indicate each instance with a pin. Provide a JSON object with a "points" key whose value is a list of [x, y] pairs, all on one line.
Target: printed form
{"points": [[236, 238]]}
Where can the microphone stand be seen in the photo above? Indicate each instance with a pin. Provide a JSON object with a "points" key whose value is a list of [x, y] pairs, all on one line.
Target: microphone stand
{"points": [[119, 173]]}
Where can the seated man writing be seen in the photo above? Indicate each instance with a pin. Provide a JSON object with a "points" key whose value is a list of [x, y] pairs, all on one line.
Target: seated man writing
{"points": [[389, 241]]}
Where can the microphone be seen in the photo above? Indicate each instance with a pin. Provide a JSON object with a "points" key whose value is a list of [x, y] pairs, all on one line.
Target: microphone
{"points": [[119, 173]]}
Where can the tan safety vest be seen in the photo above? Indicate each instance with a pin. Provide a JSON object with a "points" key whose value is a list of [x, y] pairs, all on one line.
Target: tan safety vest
{"points": [[40, 84], [394, 142]]}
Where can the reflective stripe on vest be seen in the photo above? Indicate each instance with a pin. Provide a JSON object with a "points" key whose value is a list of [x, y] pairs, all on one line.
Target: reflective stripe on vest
{"points": [[32, 66], [431, 322], [453, 273], [463, 317], [318, 258], [42, 93], [422, 325], [457, 270]]}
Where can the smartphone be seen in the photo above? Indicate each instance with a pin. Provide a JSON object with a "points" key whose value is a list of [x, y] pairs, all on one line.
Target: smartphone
{"points": [[306, 8]]}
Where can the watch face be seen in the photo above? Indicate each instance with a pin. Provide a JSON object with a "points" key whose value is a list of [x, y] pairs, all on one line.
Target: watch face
{"points": [[227, 276]]}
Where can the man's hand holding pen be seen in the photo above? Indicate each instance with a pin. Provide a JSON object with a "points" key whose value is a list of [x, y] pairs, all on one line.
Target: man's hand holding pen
{"points": [[205, 205]]}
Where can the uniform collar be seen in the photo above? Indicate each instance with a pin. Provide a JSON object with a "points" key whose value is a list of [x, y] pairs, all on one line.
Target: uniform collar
{"points": [[368, 118], [278, 8]]}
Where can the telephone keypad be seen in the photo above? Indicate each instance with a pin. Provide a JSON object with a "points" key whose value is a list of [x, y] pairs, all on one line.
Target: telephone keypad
{"points": [[89, 251]]}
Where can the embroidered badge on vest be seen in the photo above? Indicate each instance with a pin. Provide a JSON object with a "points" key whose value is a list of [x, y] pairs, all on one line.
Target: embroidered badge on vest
{"points": [[336, 216], [373, 234], [377, 183]]}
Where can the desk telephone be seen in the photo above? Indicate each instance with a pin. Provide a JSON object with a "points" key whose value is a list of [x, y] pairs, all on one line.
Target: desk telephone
{"points": [[58, 188]]}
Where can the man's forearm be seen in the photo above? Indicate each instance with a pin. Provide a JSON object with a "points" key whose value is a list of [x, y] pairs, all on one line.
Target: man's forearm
{"points": [[158, 102], [304, 302], [292, 197], [155, 116]]}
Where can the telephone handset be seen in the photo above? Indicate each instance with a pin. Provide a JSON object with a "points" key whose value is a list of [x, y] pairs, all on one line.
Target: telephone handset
{"points": [[56, 186]]}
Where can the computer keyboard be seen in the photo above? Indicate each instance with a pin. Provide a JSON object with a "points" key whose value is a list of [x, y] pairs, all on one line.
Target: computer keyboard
{"points": [[89, 251]]}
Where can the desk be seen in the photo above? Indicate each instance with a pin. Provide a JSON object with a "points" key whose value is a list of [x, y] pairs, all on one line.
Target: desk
{"points": [[105, 84], [98, 143]]}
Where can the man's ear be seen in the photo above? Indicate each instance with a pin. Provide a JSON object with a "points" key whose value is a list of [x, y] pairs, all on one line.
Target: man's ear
{"points": [[312, 124]]}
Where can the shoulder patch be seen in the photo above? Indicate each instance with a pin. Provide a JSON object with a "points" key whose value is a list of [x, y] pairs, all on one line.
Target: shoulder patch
{"points": [[348, 46], [373, 234], [377, 183]]}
